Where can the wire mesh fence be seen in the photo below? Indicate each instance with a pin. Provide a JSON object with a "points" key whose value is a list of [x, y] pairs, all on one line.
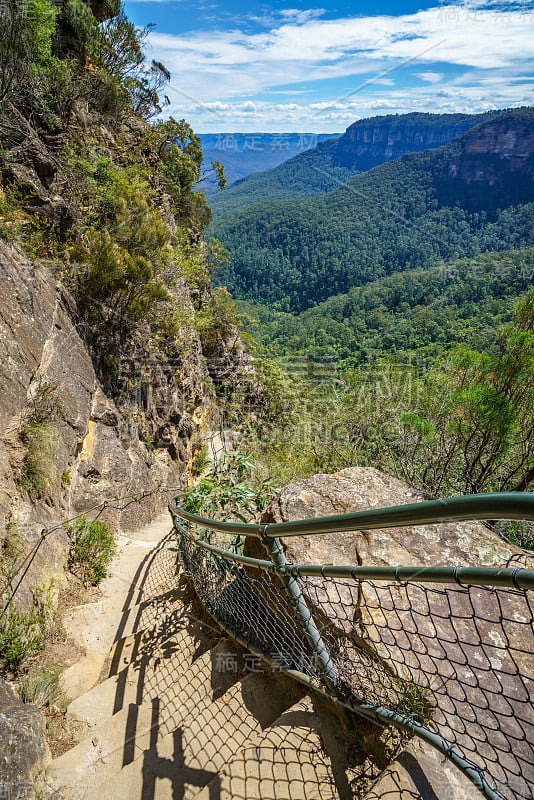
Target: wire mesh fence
{"points": [[248, 602], [455, 660], [459, 660]]}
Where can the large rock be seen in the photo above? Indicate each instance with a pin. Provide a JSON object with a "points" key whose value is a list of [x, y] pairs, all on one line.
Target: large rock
{"points": [[462, 655], [362, 488], [24, 754], [80, 677], [27, 321]]}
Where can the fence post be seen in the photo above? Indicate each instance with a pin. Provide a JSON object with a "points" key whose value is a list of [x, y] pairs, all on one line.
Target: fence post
{"points": [[311, 632]]}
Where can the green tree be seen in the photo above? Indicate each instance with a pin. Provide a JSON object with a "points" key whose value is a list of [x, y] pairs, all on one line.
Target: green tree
{"points": [[118, 269], [118, 51], [473, 426], [26, 33]]}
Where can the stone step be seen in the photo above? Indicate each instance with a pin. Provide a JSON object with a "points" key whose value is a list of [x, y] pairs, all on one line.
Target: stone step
{"points": [[94, 628], [139, 570], [124, 736], [119, 614], [296, 757], [153, 663], [168, 622], [187, 754]]}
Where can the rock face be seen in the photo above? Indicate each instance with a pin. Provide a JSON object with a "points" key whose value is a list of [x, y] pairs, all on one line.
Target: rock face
{"points": [[23, 750], [361, 488], [461, 653], [370, 142], [65, 447], [497, 156]]}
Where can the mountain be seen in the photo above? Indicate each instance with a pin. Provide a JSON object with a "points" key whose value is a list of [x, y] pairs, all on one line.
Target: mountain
{"points": [[364, 145], [244, 153], [475, 194], [370, 142]]}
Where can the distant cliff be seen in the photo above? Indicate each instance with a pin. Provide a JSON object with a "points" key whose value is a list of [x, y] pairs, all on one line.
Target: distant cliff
{"points": [[370, 142], [493, 166], [471, 195], [365, 144]]}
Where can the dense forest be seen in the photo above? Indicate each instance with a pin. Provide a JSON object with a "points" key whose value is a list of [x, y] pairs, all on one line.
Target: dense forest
{"points": [[365, 144], [415, 212], [413, 316], [393, 316]]}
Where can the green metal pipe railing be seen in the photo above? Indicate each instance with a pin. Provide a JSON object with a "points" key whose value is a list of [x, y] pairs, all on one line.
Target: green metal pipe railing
{"points": [[311, 632], [511, 505], [503, 505], [505, 577]]}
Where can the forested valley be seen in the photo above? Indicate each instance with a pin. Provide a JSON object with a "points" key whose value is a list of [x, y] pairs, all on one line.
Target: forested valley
{"points": [[392, 317], [382, 280]]}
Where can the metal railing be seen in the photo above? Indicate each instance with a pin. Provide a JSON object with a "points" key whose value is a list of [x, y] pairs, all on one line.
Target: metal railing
{"points": [[446, 653]]}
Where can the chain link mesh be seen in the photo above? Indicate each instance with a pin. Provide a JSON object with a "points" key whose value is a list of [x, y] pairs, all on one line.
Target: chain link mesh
{"points": [[248, 601], [456, 660]]}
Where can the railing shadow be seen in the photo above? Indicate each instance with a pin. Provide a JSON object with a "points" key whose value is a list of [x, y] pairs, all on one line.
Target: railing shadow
{"points": [[179, 666], [173, 768]]}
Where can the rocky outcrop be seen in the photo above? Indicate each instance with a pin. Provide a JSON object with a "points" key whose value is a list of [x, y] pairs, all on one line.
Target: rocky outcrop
{"points": [[361, 488], [370, 142], [489, 167], [492, 166], [66, 447], [24, 753]]}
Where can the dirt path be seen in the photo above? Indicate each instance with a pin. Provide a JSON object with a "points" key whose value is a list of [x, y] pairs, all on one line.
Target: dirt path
{"points": [[93, 627]]}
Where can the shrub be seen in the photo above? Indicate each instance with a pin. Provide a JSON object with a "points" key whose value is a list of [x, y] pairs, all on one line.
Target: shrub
{"points": [[518, 532], [91, 551], [37, 471], [228, 490], [200, 461], [41, 687], [21, 635]]}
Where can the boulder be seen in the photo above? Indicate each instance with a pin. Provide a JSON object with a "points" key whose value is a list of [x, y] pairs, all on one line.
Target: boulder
{"points": [[360, 488], [80, 677], [24, 753], [458, 656]]}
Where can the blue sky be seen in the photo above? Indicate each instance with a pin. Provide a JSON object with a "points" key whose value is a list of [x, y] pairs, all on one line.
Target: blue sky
{"points": [[288, 66]]}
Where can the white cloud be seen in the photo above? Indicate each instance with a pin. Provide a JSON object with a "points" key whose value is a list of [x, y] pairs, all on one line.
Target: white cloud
{"points": [[300, 49], [431, 77]]}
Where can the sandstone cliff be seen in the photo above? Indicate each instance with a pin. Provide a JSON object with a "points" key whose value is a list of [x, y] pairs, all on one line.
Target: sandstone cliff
{"points": [[91, 451], [370, 142], [492, 166]]}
